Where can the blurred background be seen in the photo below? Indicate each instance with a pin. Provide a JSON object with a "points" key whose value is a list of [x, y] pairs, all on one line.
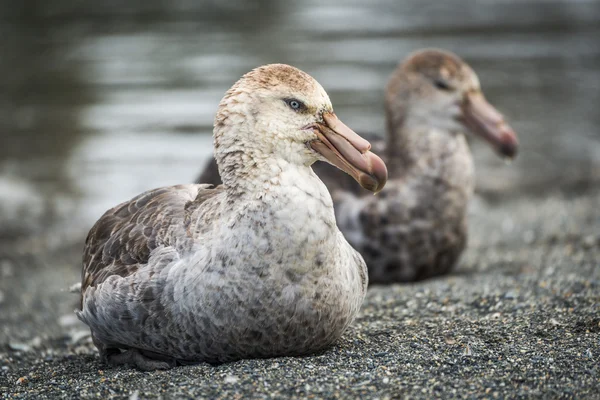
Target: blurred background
{"points": [[102, 100]]}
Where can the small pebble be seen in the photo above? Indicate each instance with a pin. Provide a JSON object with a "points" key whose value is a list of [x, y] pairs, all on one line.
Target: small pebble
{"points": [[510, 295], [467, 352], [19, 346], [588, 354], [36, 342], [77, 336], [68, 320]]}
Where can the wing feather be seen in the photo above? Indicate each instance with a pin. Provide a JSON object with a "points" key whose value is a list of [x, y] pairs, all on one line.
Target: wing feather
{"points": [[123, 239]]}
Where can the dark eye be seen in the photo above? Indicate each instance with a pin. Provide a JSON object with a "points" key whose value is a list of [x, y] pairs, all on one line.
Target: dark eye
{"points": [[442, 85], [295, 105]]}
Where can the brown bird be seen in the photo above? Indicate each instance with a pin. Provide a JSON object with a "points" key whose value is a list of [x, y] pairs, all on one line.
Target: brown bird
{"points": [[253, 268], [416, 227]]}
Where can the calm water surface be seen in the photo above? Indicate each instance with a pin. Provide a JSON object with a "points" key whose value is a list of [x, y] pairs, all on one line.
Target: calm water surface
{"points": [[99, 104]]}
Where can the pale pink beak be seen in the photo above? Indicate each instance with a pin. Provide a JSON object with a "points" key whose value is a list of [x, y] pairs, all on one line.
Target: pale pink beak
{"points": [[345, 149], [484, 120]]}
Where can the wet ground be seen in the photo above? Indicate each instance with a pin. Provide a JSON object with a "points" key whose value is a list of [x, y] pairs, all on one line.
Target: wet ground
{"points": [[98, 104]]}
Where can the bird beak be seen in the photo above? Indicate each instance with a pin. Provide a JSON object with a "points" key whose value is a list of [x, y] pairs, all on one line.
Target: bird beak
{"points": [[484, 120], [345, 149]]}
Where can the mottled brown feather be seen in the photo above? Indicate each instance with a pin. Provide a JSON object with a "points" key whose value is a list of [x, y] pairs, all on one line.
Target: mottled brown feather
{"points": [[124, 237]]}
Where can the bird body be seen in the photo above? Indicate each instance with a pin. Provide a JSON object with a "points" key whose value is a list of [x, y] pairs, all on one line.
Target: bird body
{"points": [[417, 226], [253, 268]]}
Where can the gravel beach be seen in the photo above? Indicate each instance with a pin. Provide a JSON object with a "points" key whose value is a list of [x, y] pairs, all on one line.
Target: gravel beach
{"points": [[520, 318]]}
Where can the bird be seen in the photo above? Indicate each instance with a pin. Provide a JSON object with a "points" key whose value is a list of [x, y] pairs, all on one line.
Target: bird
{"points": [[417, 227], [253, 268]]}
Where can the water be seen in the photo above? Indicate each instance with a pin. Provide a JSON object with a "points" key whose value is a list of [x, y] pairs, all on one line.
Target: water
{"points": [[102, 101]]}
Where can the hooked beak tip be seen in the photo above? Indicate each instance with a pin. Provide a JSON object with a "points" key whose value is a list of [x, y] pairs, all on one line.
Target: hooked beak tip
{"points": [[377, 175], [508, 145]]}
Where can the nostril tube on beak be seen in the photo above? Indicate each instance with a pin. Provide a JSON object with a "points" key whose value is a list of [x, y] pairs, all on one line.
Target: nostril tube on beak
{"points": [[345, 149], [338, 126]]}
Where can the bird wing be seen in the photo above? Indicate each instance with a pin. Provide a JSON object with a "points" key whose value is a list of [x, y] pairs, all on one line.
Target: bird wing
{"points": [[123, 239]]}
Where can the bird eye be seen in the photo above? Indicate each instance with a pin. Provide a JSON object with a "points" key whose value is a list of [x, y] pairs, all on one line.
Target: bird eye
{"points": [[442, 85], [295, 105]]}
